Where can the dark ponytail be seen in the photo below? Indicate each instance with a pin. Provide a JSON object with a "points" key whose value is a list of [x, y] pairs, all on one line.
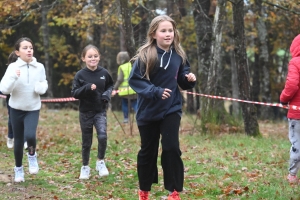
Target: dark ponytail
{"points": [[12, 58]]}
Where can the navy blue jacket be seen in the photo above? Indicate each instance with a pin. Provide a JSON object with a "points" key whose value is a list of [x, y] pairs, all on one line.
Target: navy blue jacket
{"points": [[169, 72]]}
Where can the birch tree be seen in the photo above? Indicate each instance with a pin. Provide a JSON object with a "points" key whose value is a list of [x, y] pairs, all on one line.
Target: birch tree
{"points": [[214, 70]]}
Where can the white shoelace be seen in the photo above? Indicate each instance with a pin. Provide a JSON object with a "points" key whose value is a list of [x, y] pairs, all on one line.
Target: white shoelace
{"points": [[32, 161]]}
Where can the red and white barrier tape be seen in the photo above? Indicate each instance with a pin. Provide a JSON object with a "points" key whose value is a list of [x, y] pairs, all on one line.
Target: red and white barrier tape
{"points": [[68, 99], [246, 101]]}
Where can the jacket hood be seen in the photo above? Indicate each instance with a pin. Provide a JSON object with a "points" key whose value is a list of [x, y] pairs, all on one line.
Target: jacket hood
{"points": [[295, 47]]}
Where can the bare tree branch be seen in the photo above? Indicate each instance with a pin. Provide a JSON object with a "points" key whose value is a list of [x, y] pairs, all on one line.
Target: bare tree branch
{"points": [[281, 7]]}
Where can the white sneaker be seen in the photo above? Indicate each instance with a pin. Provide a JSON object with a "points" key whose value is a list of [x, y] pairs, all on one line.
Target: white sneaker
{"points": [[25, 145], [10, 142], [101, 168], [33, 164], [85, 172], [19, 174]]}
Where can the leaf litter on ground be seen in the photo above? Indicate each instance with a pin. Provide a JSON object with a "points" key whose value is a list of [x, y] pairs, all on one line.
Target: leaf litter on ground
{"points": [[228, 165]]}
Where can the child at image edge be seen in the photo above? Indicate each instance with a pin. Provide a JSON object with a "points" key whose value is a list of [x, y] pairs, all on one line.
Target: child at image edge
{"points": [[291, 95], [25, 80], [92, 85], [160, 66], [10, 135]]}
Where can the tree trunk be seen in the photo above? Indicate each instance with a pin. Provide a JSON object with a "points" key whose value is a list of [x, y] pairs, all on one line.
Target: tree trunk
{"points": [[122, 39], [170, 8], [235, 87], [143, 26], [249, 110], [216, 51], [266, 111], [96, 27], [203, 29], [127, 27], [256, 77], [45, 31]]}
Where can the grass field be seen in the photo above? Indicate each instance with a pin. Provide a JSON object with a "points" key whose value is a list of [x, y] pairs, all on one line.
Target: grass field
{"points": [[221, 166]]}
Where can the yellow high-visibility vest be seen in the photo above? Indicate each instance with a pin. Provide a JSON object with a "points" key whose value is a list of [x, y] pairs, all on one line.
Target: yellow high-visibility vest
{"points": [[124, 88]]}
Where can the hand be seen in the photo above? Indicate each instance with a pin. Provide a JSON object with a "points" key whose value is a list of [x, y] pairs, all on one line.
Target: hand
{"points": [[166, 94], [284, 104], [114, 92], [93, 87], [191, 77], [18, 72]]}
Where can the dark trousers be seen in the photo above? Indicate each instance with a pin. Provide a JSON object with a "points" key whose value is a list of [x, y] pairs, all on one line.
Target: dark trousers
{"points": [[171, 161], [10, 133], [87, 121], [24, 124]]}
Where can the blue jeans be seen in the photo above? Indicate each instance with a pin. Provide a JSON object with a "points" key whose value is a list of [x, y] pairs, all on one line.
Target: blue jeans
{"points": [[133, 103]]}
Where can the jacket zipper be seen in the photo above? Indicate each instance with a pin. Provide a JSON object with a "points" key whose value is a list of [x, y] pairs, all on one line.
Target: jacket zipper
{"points": [[27, 73]]}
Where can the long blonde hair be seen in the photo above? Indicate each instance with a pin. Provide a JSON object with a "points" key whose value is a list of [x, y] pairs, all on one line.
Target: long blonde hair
{"points": [[147, 53]]}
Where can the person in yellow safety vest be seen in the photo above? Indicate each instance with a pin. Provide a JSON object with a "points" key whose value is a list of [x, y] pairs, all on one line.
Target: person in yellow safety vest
{"points": [[125, 92]]}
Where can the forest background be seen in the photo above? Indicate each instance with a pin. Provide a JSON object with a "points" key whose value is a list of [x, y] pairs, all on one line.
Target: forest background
{"points": [[237, 48]]}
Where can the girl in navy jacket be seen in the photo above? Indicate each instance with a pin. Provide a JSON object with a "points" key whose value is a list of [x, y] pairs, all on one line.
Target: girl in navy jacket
{"points": [[160, 67]]}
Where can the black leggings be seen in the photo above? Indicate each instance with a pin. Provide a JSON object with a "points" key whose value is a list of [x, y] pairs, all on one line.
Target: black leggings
{"points": [[171, 161], [87, 121], [24, 124]]}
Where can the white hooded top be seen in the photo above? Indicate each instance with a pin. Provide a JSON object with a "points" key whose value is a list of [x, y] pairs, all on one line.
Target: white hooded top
{"points": [[26, 89]]}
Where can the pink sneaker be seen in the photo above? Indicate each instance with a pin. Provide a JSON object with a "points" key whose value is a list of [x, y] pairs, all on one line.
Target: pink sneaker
{"points": [[144, 195], [174, 196], [292, 179]]}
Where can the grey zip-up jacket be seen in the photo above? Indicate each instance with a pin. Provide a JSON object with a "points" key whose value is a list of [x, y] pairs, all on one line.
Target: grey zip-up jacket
{"points": [[25, 90]]}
